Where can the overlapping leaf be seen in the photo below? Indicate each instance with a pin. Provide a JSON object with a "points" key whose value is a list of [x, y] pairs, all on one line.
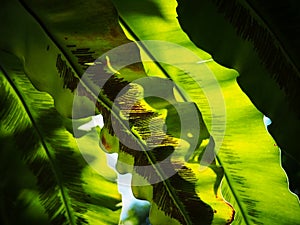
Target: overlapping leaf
{"points": [[57, 42], [259, 40], [60, 66], [248, 152], [59, 187]]}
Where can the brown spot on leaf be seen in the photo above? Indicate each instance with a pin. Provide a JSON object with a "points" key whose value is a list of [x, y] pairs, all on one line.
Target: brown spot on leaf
{"points": [[107, 146]]}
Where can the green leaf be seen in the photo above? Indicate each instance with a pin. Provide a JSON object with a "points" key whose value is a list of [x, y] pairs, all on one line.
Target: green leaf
{"points": [[247, 152], [59, 187], [65, 53], [260, 40], [56, 43]]}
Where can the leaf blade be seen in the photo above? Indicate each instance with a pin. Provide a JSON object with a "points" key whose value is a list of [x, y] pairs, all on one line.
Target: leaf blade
{"points": [[62, 195], [227, 81]]}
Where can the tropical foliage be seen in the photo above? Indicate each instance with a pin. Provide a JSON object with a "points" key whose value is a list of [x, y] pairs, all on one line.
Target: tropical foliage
{"points": [[53, 172]]}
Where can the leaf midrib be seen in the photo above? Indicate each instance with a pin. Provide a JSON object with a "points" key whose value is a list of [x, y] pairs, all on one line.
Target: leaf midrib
{"points": [[241, 210], [136, 38], [43, 142], [105, 103]]}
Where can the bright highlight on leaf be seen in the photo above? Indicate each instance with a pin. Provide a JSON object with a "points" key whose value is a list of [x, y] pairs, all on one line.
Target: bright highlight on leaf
{"points": [[83, 80]]}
